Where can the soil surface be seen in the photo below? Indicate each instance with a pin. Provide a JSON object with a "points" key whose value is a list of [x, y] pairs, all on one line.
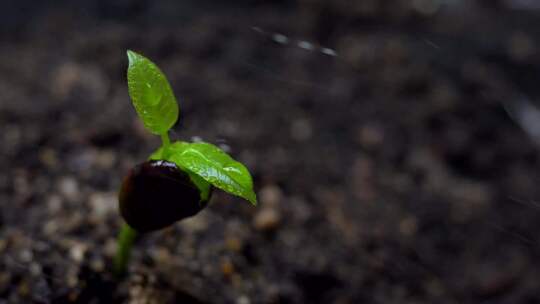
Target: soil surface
{"points": [[386, 164]]}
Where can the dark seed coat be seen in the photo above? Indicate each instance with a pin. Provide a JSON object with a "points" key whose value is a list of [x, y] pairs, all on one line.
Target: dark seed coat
{"points": [[156, 194]]}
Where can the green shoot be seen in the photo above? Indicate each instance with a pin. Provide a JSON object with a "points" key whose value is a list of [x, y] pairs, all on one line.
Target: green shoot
{"points": [[126, 237], [173, 167]]}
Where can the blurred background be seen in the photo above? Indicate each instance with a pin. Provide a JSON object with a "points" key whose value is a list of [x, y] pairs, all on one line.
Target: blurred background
{"points": [[393, 144]]}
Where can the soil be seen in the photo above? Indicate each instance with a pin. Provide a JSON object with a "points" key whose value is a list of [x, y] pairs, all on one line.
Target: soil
{"points": [[390, 173]]}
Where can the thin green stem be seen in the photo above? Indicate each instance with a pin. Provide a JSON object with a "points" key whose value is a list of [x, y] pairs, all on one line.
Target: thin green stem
{"points": [[126, 237], [165, 139]]}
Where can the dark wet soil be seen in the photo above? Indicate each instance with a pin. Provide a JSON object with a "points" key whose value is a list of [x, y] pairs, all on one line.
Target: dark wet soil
{"points": [[390, 173]]}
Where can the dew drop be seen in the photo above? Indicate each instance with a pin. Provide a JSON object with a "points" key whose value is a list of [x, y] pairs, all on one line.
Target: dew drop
{"points": [[328, 51], [306, 45], [280, 38]]}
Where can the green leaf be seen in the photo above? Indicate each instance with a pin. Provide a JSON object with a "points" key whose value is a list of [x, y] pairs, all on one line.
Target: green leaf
{"points": [[151, 94], [204, 186], [211, 164]]}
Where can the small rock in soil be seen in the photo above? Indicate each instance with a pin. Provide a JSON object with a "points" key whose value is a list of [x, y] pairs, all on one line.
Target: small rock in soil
{"points": [[69, 188], [270, 196], [301, 129], [266, 219]]}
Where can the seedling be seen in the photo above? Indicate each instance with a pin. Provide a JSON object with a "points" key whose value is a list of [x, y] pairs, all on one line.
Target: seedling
{"points": [[177, 180]]}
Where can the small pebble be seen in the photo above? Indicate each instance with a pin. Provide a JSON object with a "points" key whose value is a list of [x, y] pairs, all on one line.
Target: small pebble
{"points": [[72, 77], [196, 139], [301, 129], [105, 159], [66, 75], [270, 196], [48, 157], [54, 204], [266, 219], [51, 227], [35, 269], [110, 247], [227, 267], [161, 255], [233, 244], [72, 280], [196, 223], [69, 188], [243, 300], [77, 252], [226, 148], [26, 256], [102, 203], [135, 291]]}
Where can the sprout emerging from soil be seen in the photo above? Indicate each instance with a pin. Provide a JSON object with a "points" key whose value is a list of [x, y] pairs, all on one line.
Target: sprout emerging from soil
{"points": [[177, 180]]}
